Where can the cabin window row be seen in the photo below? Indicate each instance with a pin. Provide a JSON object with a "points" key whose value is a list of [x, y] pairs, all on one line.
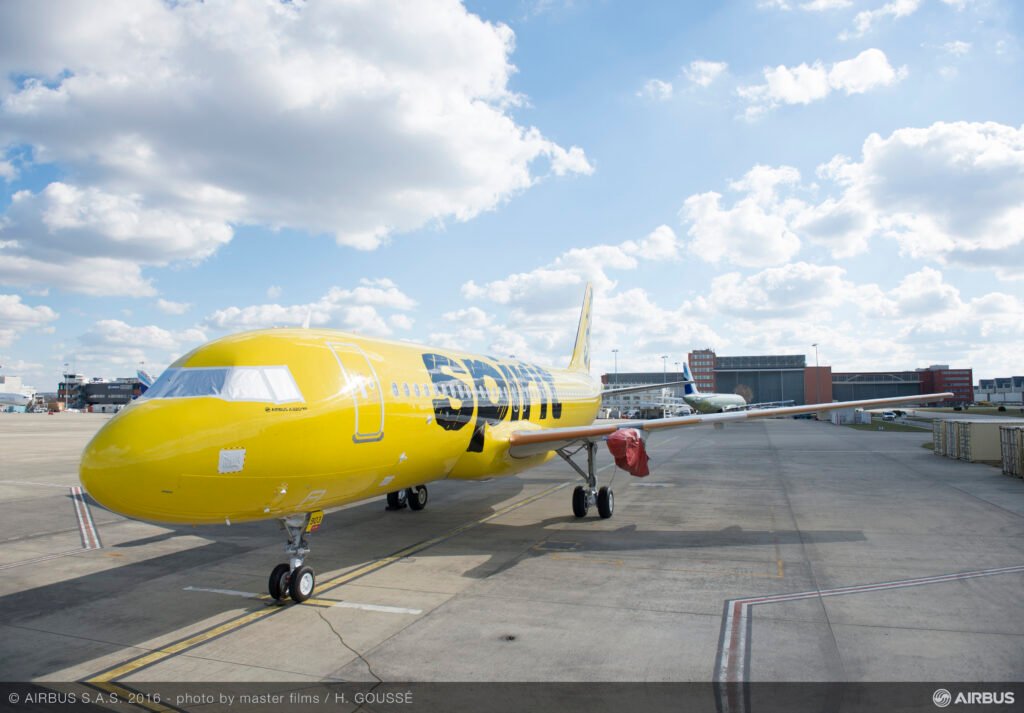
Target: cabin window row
{"points": [[456, 390]]}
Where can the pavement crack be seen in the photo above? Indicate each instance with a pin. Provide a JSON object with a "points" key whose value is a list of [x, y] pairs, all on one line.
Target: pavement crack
{"points": [[358, 655]]}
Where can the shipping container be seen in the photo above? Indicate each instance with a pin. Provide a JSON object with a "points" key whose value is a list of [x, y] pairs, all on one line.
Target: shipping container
{"points": [[976, 441], [1011, 442]]}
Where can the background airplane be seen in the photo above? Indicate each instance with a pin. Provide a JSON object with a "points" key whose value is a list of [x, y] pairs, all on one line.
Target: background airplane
{"points": [[12, 398], [286, 423], [709, 403]]}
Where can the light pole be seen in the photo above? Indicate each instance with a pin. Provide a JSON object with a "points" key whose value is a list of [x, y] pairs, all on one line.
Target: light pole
{"points": [[615, 354], [67, 387], [817, 376], [664, 368]]}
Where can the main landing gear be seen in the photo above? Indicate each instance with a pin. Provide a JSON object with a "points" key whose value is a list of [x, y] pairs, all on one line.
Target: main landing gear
{"points": [[415, 498], [586, 496], [293, 578]]}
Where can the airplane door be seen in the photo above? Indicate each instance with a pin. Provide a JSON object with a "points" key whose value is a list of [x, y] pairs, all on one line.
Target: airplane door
{"points": [[360, 382]]}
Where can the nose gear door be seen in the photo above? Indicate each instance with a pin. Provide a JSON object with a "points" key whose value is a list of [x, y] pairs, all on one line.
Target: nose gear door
{"points": [[360, 382]]}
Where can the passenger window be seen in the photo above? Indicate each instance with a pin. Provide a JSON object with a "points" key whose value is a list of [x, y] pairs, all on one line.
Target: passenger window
{"points": [[394, 388], [426, 389], [416, 388], [405, 388]]}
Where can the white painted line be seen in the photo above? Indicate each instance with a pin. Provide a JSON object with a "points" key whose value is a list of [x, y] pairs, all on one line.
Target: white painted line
{"points": [[378, 607], [734, 648], [229, 592], [86, 526], [34, 560], [343, 605]]}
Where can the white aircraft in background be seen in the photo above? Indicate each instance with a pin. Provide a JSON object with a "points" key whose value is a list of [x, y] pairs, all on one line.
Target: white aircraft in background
{"points": [[12, 398]]}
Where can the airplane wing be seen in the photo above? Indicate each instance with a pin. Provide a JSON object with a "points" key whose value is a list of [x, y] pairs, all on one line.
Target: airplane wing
{"points": [[527, 443], [637, 389]]}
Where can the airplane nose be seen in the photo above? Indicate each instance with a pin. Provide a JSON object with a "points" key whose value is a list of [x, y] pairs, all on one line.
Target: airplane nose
{"points": [[107, 462]]}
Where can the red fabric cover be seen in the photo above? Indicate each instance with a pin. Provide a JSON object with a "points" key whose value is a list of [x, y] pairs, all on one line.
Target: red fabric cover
{"points": [[627, 447]]}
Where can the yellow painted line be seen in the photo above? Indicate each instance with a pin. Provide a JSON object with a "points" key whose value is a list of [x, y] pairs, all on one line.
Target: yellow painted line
{"points": [[165, 652], [179, 646], [134, 698]]}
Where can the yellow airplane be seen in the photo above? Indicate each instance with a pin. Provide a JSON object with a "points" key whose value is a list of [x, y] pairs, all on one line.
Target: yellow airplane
{"points": [[286, 423]]}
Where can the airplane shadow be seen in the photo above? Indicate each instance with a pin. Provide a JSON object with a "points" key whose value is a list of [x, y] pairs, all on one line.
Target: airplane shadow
{"points": [[139, 601]]}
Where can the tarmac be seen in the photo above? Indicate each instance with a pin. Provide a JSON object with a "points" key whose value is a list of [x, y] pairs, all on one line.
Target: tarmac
{"points": [[778, 550]]}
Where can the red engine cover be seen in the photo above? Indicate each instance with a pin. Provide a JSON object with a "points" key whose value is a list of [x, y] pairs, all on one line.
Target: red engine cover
{"points": [[627, 447]]}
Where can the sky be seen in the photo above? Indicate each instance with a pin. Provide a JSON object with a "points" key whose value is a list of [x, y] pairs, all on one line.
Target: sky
{"points": [[755, 176]]}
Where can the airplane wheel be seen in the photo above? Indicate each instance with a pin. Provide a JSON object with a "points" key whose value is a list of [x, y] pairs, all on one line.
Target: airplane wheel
{"points": [[605, 502], [417, 497], [396, 500], [278, 585], [579, 502], [301, 584]]}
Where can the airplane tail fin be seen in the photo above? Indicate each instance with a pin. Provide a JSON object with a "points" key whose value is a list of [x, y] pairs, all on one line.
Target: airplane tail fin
{"points": [[581, 350], [691, 388]]}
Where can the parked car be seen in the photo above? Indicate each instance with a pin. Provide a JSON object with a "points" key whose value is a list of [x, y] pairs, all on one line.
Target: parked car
{"points": [[888, 416]]}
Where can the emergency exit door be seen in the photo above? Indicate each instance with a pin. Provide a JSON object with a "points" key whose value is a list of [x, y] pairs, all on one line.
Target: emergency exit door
{"points": [[360, 383]]}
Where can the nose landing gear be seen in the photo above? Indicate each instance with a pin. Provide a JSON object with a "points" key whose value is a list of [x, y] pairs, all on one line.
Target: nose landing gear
{"points": [[293, 578], [586, 496]]}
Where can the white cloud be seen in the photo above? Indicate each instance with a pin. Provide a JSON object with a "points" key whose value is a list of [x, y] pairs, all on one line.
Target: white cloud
{"points": [[810, 6], [180, 120], [792, 290], [560, 281], [469, 317], [17, 317], [100, 276], [824, 5], [806, 83], [703, 73], [115, 333], [951, 192], [865, 19], [8, 171], [356, 308], [113, 343], [868, 70], [656, 89], [169, 307], [754, 231], [957, 48], [273, 292]]}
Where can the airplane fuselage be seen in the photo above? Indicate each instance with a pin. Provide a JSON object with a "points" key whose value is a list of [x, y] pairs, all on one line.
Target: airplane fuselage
{"points": [[715, 403], [270, 423]]}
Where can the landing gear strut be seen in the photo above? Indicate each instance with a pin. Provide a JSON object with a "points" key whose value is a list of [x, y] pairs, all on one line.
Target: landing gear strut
{"points": [[293, 578], [585, 496]]}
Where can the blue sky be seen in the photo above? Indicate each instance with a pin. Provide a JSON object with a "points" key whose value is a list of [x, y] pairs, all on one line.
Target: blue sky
{"points": [[750, 176]]}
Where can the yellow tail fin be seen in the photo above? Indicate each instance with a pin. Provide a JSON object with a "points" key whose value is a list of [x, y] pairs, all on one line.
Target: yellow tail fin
{"points": [[581, 351]]}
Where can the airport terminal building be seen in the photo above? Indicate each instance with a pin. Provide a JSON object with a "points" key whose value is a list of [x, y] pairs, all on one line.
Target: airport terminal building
{"points": [[787, 377]]}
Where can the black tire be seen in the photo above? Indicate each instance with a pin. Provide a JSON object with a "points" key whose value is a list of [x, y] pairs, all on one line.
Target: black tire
{"points": [[301, 584], [278, 586], [397, 500], [605, 502], [579, 502], [417, 497]]}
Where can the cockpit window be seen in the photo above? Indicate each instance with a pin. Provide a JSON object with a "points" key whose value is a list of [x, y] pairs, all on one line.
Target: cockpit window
{"points": [[273, 384]]}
